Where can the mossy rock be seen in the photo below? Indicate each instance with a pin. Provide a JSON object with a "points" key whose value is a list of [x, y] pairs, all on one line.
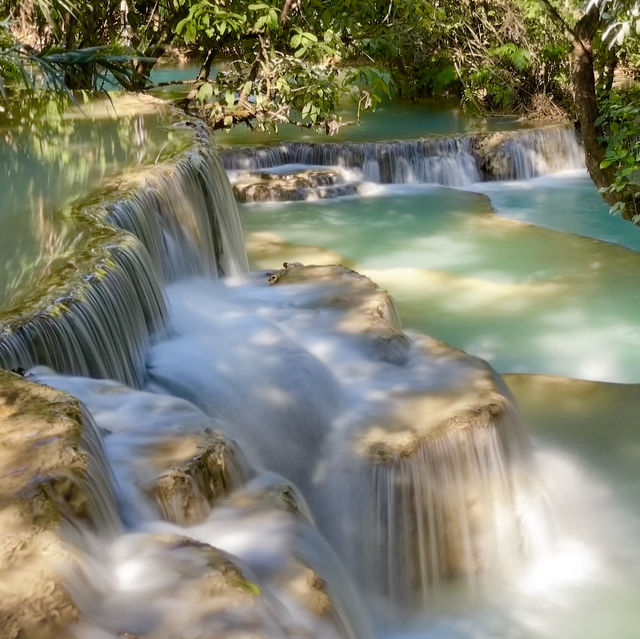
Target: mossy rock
{"points": [[44, 470]]}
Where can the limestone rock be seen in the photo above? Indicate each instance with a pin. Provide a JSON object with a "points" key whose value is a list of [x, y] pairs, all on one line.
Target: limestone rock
{"points": [[282, 187], [44, 467], [302, 571], [367, 312], [194, 471], [436, 476]]}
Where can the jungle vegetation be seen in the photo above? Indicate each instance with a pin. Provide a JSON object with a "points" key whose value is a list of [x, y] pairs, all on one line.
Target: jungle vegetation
{"points": [[262, 63]]}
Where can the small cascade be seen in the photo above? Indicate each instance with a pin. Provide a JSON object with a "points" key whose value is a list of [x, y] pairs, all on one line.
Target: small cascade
{"points": [[275, 398], [97, 319], [447, 161], [187, 219], [522, 156], [455, 161], [99, 482], [432, 508], [99, 325], [281, 578]]}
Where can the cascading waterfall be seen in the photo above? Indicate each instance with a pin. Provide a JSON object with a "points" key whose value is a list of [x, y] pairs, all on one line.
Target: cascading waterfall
{"points": [[99, 321], [410, 454], [101, 326], [524, 156], [432, 509], [447, 161], [186, 218], [453, 161]]}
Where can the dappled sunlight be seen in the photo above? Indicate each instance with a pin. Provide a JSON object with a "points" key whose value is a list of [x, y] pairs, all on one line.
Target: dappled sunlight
{"points": [[464, 294], [269, 250]]}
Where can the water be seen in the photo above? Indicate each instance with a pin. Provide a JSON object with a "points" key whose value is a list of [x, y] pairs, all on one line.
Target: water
{"points": [[47, 169], [450, 161], [392, 120], [563, 201], [329, 419], [99, 318], [540, 300]]}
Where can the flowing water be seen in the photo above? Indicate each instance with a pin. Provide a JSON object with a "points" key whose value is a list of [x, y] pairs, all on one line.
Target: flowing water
{"points": [[47, 169], [343, 503]]}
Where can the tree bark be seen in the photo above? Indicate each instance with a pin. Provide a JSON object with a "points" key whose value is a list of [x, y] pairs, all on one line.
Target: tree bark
{"points": [[205, 69], [585, 100]]}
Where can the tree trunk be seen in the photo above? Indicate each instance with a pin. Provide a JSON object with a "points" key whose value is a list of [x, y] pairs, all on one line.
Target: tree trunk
{"points": [[585, 100], [205, 69]]}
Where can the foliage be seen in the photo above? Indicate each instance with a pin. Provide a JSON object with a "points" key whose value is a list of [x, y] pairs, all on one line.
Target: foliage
{"points": [[620, 119]]}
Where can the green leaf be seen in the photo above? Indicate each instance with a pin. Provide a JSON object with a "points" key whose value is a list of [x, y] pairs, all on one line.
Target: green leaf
{"points": [[205, 91]]}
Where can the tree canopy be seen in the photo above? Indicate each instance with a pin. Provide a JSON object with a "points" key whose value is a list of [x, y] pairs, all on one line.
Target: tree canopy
{"points": [[299, 61]]}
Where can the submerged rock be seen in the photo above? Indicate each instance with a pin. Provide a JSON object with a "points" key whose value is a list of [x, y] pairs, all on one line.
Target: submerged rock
{"points": [[46, 467], [268, 250], [267, 524], [185, 589], [255, 568]]}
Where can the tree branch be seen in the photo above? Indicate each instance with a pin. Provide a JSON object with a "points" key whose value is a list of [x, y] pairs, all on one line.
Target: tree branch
{"points": [[559, 20]]}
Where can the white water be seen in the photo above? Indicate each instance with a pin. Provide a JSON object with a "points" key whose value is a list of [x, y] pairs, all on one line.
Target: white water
{"points": [[452, 161], [272, 368], [229, 334]]}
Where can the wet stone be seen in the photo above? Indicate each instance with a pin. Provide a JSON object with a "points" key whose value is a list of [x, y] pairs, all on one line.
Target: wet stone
{"points": [[43, 467]]}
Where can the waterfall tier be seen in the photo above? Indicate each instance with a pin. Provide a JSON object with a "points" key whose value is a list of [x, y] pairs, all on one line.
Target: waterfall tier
{"points": [[426, 474], [452, 161], [95, 315]]}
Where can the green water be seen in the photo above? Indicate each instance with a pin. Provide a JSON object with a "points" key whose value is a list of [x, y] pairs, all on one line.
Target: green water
{"points": [[390, 121], [564, 201], [44, 172], [526, 298]]}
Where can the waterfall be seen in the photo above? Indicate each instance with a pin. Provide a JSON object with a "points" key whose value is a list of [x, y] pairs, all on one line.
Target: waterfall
{"points": [[522, 156], [185, 215], [421, 512], [413, 459], [98, 316], [409, 454], [447, 161], [455, 161]]}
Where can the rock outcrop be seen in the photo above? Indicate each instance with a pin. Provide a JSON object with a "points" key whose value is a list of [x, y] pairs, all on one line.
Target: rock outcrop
{"points": [[45, 465], [306, 184], [194, 471], [367, 314], [428, 468]]}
